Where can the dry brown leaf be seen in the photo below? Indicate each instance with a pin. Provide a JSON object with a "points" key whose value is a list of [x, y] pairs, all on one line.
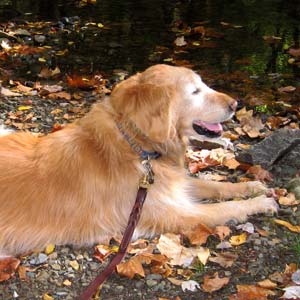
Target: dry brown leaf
{"points": [[222, 232], [267, 284], [199, 234], [250, 124], [60, 95], [8, 267], [294, 52], [175, 281], [8, 93], [287, 89], [293, 228], [260, 174], [102, 252], [251, 292], [262, 232], [231, 164], [134, 266], [214, 283], [224, 259], [47, 73], [170, 246]]}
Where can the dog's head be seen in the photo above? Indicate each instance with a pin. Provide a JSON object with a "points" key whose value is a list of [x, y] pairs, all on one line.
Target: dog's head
{"points": [[164, 101]]}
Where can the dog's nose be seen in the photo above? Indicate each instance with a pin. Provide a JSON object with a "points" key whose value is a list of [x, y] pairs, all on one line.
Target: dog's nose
{"points": [[233, 105]]}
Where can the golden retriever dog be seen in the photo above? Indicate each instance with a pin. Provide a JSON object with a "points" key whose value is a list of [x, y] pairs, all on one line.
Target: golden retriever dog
{"points": [[78, 185]]}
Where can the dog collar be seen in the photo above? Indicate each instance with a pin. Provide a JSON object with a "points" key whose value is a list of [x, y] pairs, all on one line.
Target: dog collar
{"points": [[135, 146]]}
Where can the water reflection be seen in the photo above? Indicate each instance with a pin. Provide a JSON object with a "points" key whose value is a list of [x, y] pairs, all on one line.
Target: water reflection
{"points": [[135, 33]]}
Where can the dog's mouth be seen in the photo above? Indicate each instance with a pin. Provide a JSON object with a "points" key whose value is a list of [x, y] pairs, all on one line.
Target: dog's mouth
{"points": [[211, 130]]}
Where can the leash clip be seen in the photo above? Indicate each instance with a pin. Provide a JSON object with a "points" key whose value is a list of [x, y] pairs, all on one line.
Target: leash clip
{"points": [[148, 177]]}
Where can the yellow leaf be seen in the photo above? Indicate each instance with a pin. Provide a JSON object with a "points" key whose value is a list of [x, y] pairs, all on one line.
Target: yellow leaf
{"points": [[74, 264], [237, 240], [203, 255], [100, 25], [49, 249], [21, 108], [41, 59], [67, 282], [294, 228], [47, 297]]}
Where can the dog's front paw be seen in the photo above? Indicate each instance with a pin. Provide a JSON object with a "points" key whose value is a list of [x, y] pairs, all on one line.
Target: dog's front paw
{"points": [[263, 204], [255, 188]]}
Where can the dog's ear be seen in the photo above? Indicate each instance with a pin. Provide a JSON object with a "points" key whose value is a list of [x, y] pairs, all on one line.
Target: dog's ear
{"points": [[149, 106]]}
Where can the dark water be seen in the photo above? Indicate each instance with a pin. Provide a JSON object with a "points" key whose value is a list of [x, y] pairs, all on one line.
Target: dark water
{"points": [[140, 33]]}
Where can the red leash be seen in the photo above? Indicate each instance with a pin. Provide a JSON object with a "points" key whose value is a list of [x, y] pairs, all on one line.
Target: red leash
{"points": [[132, 222]]}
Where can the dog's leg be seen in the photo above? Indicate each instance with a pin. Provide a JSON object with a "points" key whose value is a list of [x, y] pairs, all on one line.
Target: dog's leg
{"points": [[203, 189], [238, 211]]}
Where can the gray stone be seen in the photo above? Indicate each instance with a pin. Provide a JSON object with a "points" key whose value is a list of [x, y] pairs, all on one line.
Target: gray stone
{"points": [[38, 259], [151, 283], [282, 148], [154, 277]]}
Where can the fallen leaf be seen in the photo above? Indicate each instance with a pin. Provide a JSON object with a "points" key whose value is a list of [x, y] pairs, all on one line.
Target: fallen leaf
{"points": [[102, 252], [134, 266], [22, 272], [222, 231], [223, 245], [60, 95], [251, 292], [199, 234], [288, 200], [49, 249], [287, 89], [237, 240], [74, 264], [8, 267], [67, 282], [169, 245], [260, 174], [24, 89], [49, 89], [180, 42], [224, 259], [293, 228], [22, 108], [291, 292], [175, 281], [267, 284], [76, 81], [48, 73], [214, 283], [231, 164], [7, 93], [190, 285], [250, 125], [203, 255], [46, 296], [294, 52], [262, 232]]}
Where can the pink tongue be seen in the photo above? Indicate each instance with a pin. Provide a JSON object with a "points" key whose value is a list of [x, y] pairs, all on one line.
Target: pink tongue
{"points": [[210, 126]]}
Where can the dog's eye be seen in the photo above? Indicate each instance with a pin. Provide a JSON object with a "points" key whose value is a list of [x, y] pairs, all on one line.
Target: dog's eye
{"points": [[196, 91]]}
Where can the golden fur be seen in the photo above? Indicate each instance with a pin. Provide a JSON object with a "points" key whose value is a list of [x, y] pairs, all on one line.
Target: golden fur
{"points": [[78, 185]]}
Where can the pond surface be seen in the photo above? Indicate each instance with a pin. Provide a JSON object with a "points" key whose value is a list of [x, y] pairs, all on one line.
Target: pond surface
{"points": [[220, 36]]}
